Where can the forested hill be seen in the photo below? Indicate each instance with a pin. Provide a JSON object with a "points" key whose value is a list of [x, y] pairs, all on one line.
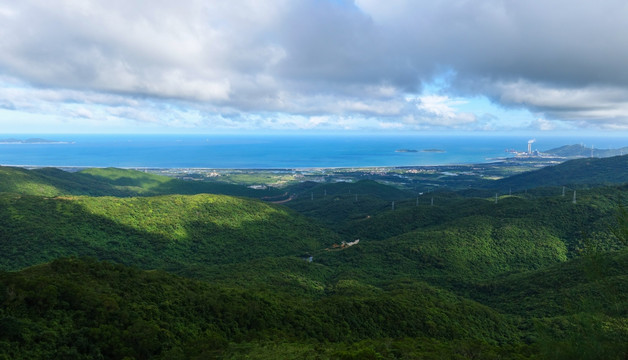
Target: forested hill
{"points": [[171, 232], [111, 182], [589, 171], [81, 309], [442, 275], [373, 189], [578, 150]]}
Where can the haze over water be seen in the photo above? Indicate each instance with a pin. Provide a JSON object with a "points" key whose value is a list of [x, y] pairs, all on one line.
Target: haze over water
{"points": [[247, 152]]}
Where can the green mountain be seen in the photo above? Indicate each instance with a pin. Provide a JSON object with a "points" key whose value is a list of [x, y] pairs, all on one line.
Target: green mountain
{"points": [[449, 275], [111, 182], [465, 241], [83, 309], [562, 289], [336, 202], [578, 172], [167, 232], [376, 220], [578, 308], [374, 189], [579, 150]]}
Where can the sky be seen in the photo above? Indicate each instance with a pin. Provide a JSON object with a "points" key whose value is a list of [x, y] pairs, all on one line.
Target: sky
{"points": [[314, 66]]}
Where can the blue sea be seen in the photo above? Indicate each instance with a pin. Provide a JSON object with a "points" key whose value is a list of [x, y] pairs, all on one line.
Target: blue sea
{"points": [[274, 152]]}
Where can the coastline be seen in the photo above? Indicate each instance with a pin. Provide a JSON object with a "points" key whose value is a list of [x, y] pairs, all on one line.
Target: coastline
{"points": [[531, 163], [304, 168], [418, 178]]}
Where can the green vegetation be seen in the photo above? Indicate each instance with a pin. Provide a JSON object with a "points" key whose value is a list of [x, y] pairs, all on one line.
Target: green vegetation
{"points": [[580, 172], [343, 189], [112, 182], [168, 232], [86, 309], [578, 150], [121, 264]]}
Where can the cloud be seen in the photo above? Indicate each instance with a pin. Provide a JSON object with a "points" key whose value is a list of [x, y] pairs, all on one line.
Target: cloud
{"points": [[350, 62], [592, 105], [561, 59], [542, 125], [439, 111]]}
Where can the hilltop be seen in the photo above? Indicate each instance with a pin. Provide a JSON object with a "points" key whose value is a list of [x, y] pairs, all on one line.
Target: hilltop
{"points": [[578, 150], [171, 232], [111, 182], [579, 172]]}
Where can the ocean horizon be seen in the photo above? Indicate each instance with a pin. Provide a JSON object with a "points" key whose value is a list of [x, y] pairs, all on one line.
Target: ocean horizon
{"points": [[275, 151]]}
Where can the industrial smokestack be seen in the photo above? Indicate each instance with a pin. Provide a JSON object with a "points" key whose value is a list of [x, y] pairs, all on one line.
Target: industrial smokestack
{"points": [[530, 146]]}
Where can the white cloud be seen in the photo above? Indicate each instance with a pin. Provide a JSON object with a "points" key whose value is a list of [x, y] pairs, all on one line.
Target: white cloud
{"points": [[601, 105], [542, 125], [315, 121], [441, 110], [355, 63], [394, 125]]}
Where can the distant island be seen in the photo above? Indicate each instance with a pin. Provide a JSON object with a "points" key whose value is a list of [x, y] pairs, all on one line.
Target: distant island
{"points": [[406, 150], [424, 150], [433, 150], [31, 141]]}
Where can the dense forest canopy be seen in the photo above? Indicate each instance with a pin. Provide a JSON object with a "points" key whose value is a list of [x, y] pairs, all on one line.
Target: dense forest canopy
{"points": [[110, 263]]}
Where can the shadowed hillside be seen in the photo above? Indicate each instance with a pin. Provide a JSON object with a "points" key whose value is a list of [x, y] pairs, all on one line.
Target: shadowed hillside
{"points": [[111, 182], [167, 232]]}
